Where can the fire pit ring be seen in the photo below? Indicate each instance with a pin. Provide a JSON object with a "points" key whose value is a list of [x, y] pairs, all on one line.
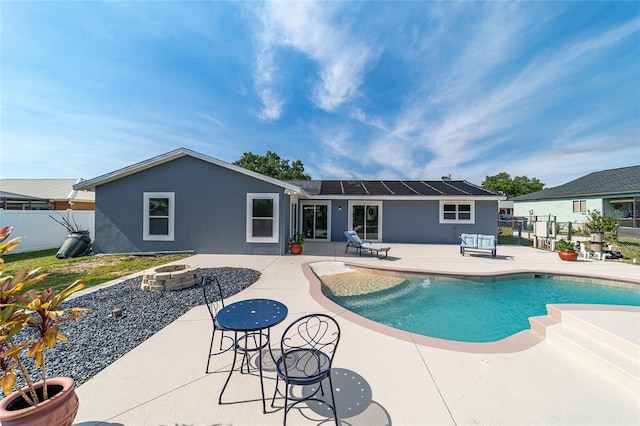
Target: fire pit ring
{"points": [[170, 278]]}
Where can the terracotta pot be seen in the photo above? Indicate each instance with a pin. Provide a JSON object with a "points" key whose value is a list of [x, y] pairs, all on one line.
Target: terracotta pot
{"points": [[296, 248], [568, 255], [58, 410]]}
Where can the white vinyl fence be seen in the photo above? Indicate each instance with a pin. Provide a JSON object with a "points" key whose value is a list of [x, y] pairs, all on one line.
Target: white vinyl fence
{"points": [[39, 231]]}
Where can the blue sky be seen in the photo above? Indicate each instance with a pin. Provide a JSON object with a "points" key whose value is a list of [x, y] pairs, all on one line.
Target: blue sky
{"points": [[356, 90]]}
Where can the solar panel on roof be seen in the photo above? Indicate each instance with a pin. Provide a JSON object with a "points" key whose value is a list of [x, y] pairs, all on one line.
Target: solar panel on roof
{"points": [[376, 187], [448, 188], [331, 187], [422, 188], [474, 190], [352, 187], [399, 188]]}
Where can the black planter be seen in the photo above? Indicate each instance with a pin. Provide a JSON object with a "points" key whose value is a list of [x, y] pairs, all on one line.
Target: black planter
{"points": [[76, 244]]}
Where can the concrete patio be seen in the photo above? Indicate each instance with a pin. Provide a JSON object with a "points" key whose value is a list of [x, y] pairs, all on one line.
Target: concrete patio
{"points": [[382, 377]]}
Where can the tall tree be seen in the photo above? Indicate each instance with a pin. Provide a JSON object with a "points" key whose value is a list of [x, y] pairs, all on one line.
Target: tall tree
{"points": [[519, 185], [272, 165]]}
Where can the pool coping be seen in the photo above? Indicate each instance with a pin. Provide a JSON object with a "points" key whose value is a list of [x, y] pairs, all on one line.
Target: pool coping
{"points": [[520, 341]]}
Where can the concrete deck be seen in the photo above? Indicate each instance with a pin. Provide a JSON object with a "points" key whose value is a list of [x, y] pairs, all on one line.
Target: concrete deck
{"points": [[381, 378]]}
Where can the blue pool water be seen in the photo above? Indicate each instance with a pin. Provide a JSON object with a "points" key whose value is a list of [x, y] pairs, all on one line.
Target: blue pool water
{"points": [[476, 311]]}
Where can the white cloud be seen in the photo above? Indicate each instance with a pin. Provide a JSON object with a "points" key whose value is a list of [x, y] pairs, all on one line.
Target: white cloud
{"points": [[470, 113], [307, 27]]}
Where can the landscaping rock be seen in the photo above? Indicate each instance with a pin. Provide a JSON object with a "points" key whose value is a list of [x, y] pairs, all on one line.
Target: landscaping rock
{"points": [[101, 338]]}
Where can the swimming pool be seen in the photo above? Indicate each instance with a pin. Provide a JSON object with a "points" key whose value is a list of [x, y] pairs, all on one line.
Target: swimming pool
{"points": [[475, 310]]}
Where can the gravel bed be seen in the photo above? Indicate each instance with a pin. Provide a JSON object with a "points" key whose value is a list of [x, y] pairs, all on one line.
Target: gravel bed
{"points": [[98, 340]]}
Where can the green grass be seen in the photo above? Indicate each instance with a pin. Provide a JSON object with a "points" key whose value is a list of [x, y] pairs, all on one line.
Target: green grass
{"points": [[93, 269], [629, 248]]}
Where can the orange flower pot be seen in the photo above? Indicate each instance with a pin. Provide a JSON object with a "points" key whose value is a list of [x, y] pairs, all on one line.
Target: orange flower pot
{"points": [[568, 255]]}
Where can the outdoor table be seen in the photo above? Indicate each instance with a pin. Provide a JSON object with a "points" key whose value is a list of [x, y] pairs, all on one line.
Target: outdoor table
{"points": [[251, 316]]}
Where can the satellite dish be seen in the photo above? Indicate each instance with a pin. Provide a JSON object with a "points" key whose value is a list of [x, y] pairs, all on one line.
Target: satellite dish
{"points": [[448, 177]]}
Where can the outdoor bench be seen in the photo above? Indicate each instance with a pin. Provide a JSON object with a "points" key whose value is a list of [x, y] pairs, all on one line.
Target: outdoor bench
{"points": [[478, 242]]}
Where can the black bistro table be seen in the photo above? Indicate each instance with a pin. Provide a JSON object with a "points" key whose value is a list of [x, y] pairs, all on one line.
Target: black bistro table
{"points": [[251, 316]]}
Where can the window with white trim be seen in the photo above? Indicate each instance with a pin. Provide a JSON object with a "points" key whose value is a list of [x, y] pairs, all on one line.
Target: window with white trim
{"points": [[457, 212], [263, 217], [159, 217]]}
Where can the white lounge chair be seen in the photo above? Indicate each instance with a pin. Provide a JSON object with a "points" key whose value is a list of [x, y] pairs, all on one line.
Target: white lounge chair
{"points": [[353, 240]]}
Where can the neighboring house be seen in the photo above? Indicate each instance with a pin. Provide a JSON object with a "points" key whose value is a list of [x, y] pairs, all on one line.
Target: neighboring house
{"points": [[44, 194], [505, 209], [184, 200], [614, 192]]}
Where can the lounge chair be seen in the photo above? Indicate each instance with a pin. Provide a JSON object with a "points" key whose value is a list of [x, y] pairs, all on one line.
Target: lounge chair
{"points": [[478, 242], [353, 240]]}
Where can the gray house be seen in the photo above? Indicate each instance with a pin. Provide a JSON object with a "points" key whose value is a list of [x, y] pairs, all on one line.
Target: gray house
{"points": [[614, 192], [184, 200]]}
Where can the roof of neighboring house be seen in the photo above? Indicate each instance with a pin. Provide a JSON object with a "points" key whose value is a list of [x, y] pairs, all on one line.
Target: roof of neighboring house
{"points": [[91, 184], [44, 189], [625, 180], [394, 188]]}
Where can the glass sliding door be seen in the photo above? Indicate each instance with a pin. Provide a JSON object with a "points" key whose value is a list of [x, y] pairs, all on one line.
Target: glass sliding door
{"points": [[365, 220], [315, 221]]}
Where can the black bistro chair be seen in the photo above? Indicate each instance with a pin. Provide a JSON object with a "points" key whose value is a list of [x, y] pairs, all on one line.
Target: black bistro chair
{"points": [[307, 349], [215, 300]]}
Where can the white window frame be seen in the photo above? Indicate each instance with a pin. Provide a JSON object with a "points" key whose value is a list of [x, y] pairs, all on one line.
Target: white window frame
{"points": [[275, 197], [171, 196], [472, 216], [379, 204]]}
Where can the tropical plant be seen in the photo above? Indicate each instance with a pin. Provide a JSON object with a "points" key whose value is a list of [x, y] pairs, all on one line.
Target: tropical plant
{"points": [[69, 224], [29, 322], [565, 245], [597, 223], [298, 238]]}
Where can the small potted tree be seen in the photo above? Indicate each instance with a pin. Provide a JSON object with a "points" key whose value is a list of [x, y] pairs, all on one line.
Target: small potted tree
{"points": [[597, 225], [29, 321], [566, 250], [296, 242]]}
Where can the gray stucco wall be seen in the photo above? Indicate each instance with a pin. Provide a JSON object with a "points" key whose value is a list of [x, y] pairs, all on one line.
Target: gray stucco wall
{"points": [[210, 210], [339, 220], [417, 222]]}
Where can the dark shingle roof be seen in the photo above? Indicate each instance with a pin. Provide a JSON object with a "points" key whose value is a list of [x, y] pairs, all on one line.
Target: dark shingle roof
{"points": [[391, 188], [625, 180]]}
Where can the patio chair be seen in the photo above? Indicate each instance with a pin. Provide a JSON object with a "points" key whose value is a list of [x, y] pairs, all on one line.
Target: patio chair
{"points": [[353, 240], [215, 300], [307, 347]]}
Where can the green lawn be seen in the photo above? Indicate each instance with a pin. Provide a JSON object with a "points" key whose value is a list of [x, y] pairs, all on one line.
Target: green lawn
{"points": [[93, 269]]}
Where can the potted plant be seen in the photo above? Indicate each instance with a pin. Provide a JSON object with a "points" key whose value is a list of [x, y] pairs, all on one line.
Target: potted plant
{"points": [[29, 321], [296, 242], [597, 225], [566, 250], [77, 243]]}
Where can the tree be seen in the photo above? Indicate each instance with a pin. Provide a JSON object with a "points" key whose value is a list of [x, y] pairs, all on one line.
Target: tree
{"points": [[272, 165], [519, 185]]}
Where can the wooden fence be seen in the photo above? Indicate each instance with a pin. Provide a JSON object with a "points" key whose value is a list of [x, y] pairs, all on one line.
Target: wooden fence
{"points": [[39, 231]]}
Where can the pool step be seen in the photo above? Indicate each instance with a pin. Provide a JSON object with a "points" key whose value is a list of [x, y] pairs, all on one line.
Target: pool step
{"points": [[607, 351]]}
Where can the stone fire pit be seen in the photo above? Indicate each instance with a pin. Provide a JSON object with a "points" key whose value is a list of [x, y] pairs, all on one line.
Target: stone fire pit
{"points": [[169, 278]]}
